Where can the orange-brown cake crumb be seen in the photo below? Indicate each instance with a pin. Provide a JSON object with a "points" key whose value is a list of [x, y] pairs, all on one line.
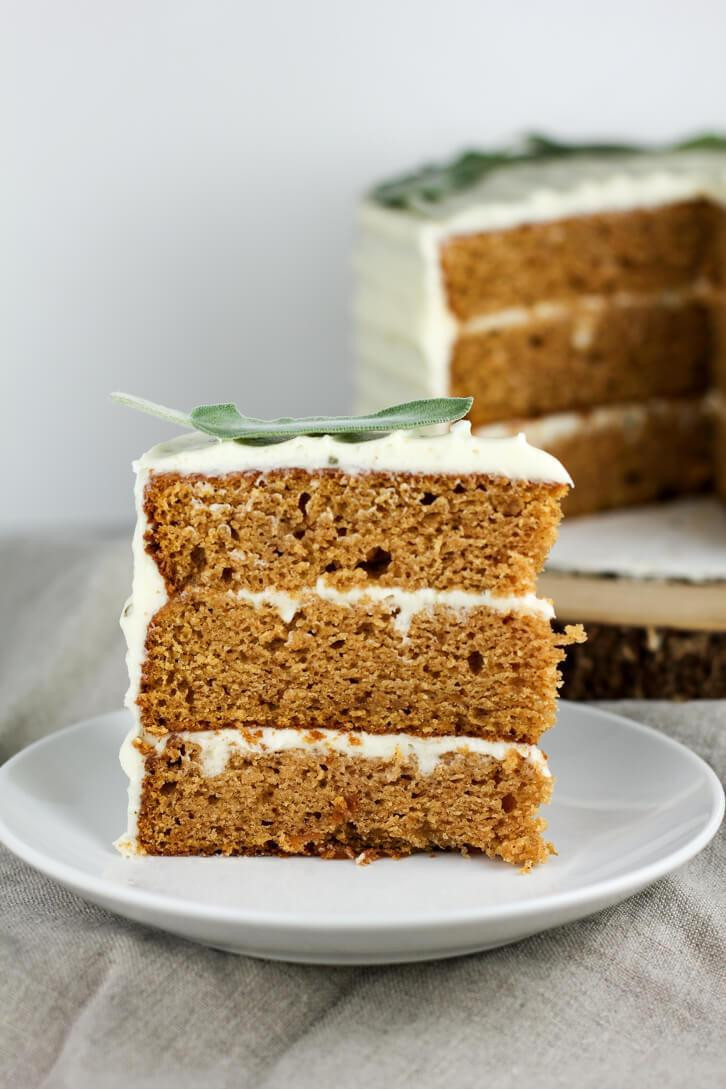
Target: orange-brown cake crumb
{"points": [[582, 356], [639, 251], [339, 806], [288, 528], [214, 661]]}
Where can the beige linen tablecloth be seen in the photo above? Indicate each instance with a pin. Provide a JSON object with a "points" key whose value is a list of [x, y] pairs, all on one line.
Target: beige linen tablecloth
{"points": [[634, 997]]}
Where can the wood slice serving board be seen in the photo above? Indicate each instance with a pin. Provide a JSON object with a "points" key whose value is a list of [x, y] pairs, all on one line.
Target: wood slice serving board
{"points": [[649, 584]]}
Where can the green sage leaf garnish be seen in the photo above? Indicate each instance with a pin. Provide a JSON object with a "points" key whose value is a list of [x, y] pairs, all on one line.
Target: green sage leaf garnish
{"points": [[152, 409], [225, 421], [435, 182], [707, 141]]}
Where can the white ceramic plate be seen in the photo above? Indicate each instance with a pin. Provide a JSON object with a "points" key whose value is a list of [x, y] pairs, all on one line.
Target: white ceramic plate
{"points": [[630, 805]]}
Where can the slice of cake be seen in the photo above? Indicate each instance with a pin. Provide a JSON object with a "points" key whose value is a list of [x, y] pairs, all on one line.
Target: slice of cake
{"points": [[577, 293], [334, 643]]}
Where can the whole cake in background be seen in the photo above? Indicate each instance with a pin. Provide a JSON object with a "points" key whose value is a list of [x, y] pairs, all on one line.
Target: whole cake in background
{"points": [[334, 643], [576, 292]]}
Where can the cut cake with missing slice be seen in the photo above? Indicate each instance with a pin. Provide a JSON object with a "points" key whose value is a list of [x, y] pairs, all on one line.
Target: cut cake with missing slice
{"points": [[335, 647], [577, 293]]}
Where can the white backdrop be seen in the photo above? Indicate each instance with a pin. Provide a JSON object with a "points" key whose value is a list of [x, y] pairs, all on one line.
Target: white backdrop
{"points": [[179, 178]]}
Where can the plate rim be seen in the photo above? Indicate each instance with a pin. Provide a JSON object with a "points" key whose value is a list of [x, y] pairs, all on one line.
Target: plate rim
{"points": [[608, 890]]}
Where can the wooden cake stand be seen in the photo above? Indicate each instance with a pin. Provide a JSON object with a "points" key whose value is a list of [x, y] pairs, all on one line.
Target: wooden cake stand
{"points": [[649, 585]]}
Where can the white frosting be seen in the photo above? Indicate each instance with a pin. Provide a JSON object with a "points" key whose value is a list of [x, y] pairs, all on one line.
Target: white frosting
{"points": [[148, 595], [132, 762], [403, 603], [565, 425], [560, 188], [218, 745], [378, 311], [400, 298], [454, 452], [392, 369]]}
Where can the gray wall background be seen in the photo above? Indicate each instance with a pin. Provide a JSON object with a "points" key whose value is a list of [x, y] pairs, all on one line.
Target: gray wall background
{"points": [[179, 177]]}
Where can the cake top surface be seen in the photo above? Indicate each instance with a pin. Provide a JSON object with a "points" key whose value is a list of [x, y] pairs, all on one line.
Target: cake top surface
{"points": [[516, 188], [389, 440], [455, 451]]}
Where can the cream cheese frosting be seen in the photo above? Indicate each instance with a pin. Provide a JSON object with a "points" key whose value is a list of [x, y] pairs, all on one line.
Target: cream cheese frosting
{"points": [[561, 187], [453, 452], [632, 415], [148, 595], [404, 603], [218, 745], [378, 308]]}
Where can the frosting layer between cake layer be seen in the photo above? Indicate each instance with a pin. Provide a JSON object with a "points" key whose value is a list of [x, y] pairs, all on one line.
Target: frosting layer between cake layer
{"points": [[556, 426], [218, 745], [406, 603]]}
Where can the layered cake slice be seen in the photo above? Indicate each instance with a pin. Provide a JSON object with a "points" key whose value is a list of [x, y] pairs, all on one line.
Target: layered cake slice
{"points": [[577, 293], [335, 646]]}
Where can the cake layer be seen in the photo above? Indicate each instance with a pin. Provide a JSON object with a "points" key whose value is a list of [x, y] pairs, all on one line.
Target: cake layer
{"points": [[285, 528], [647, 249], [286, 792], [424, 663], [718, 355], [627, 454], [561, 358]]}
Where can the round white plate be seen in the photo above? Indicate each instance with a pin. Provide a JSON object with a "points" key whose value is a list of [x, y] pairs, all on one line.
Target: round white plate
{"points": [[630, 805]]}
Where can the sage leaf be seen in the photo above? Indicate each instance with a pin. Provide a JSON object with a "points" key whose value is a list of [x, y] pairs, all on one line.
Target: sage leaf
{"points": [[433, 183], [226, 422], [152, 409]]}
